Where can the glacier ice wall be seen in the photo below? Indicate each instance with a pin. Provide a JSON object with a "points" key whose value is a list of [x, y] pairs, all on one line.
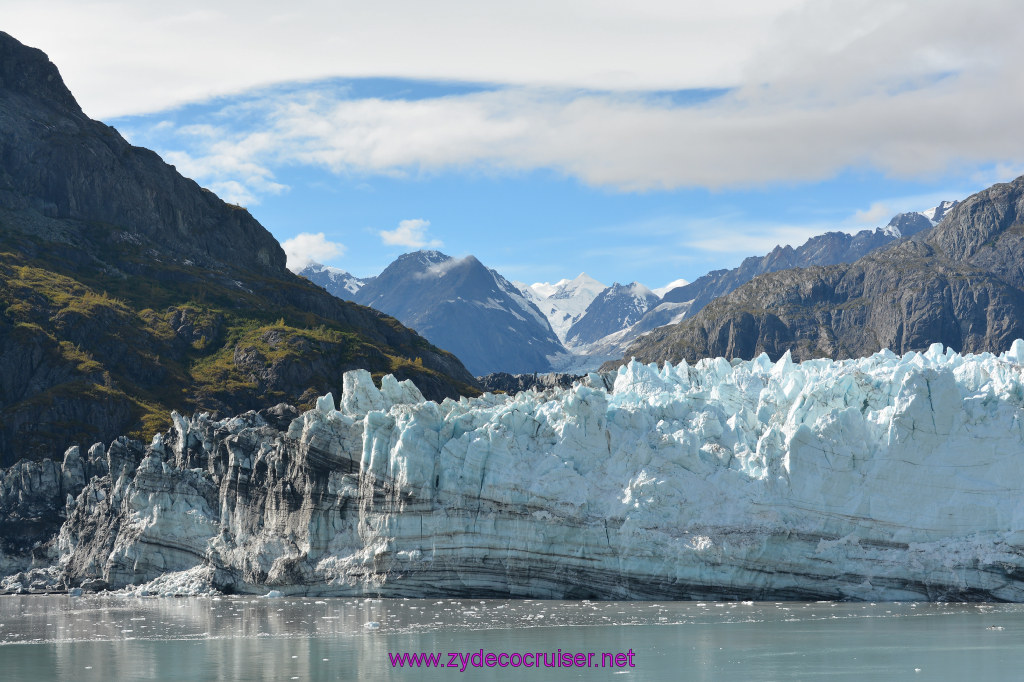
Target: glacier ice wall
{"points": [[880, 478]]}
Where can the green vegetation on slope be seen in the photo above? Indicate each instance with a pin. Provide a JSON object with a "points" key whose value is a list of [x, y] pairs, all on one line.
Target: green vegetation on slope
{"points": [[90, 347]]}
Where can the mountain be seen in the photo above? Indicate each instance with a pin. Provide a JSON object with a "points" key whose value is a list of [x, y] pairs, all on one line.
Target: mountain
{"points": [[960, 283], [564, 302], [825, 249], [467, 308], [609, 337], [335, 280], [883, 478], [615, 308], [126, 290], [935, 215]]}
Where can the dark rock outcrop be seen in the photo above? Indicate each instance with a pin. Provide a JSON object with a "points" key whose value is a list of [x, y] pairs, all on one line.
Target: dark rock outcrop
{"points": [[511, 384]]}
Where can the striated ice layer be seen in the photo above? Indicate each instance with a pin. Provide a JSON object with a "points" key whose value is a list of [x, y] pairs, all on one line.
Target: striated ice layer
{"points": [[880, 478]]}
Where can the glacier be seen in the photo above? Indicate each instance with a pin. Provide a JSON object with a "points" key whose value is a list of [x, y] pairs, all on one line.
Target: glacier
{"points": [[881, 478]]}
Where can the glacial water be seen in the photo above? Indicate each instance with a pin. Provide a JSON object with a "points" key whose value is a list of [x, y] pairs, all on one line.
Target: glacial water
{"points": [[130, 638]]}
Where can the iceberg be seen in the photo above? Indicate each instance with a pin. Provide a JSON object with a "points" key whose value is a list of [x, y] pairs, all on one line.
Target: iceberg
{"points": [[881, 478]]}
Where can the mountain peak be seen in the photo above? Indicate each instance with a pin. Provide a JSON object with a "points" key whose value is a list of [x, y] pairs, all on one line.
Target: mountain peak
{"points": [[936, 214], [462, 305], [29, 72], [425, 256]]}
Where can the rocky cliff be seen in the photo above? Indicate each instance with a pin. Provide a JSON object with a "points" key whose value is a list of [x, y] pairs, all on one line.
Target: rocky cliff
{"points": [[126, 290], [960, 283], [881, 478]]}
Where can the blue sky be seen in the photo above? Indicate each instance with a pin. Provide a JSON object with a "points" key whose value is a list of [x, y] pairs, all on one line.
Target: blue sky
{"points": [[650, 141]]}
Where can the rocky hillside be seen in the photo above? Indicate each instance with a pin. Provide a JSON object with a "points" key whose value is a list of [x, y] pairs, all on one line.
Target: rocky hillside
{"points": [[830, 248], [126, 290], [960, 283]]}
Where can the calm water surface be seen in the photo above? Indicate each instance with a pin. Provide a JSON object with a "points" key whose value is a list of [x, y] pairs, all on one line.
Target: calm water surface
{"points": [[129, 638]]}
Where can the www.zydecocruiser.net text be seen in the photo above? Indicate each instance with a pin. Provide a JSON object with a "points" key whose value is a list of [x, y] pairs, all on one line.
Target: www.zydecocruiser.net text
{"points": [[531, 659]]}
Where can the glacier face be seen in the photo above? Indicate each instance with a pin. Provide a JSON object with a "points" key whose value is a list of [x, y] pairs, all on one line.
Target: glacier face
{"points": [[880, 478]]}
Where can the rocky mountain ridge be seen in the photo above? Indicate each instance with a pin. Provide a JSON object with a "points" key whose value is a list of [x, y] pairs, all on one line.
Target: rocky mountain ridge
{"points": [[616, 308], [959, 283]]}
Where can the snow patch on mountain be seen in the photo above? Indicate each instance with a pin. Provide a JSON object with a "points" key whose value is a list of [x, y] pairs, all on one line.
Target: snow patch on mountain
{"points": [[661, 291], [335, 280], [936, 213], [564, 302]]}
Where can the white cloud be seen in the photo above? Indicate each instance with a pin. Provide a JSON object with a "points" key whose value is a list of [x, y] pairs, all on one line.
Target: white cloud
{"points": [[121, 57], [306, 248], [661, 291], [228, 168], [911, 89], [411, 233], [756, 239], [442, 269], [879, 212]]}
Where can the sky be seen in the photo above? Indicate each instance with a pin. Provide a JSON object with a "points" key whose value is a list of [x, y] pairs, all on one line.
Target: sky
{"points": [[640, 141]]}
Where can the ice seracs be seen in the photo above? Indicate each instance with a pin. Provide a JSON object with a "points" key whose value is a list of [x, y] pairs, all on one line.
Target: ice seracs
{"points": [[885, 477]]}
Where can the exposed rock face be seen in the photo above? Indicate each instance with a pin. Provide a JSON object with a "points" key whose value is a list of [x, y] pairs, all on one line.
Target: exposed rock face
{"points": [[881, 478], [517, 383], [960, 283], [682, 302], [126, 290]]}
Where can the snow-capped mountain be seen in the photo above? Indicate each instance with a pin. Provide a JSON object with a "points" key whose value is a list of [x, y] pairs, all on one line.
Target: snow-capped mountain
{"points": [[563, 302], [335, 280], [615, 308], [465, 308], [936, 214]]}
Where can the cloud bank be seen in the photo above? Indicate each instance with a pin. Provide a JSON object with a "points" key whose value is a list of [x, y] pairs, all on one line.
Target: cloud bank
{"points": [[410, 233], [811, 89], [307, 248]]}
